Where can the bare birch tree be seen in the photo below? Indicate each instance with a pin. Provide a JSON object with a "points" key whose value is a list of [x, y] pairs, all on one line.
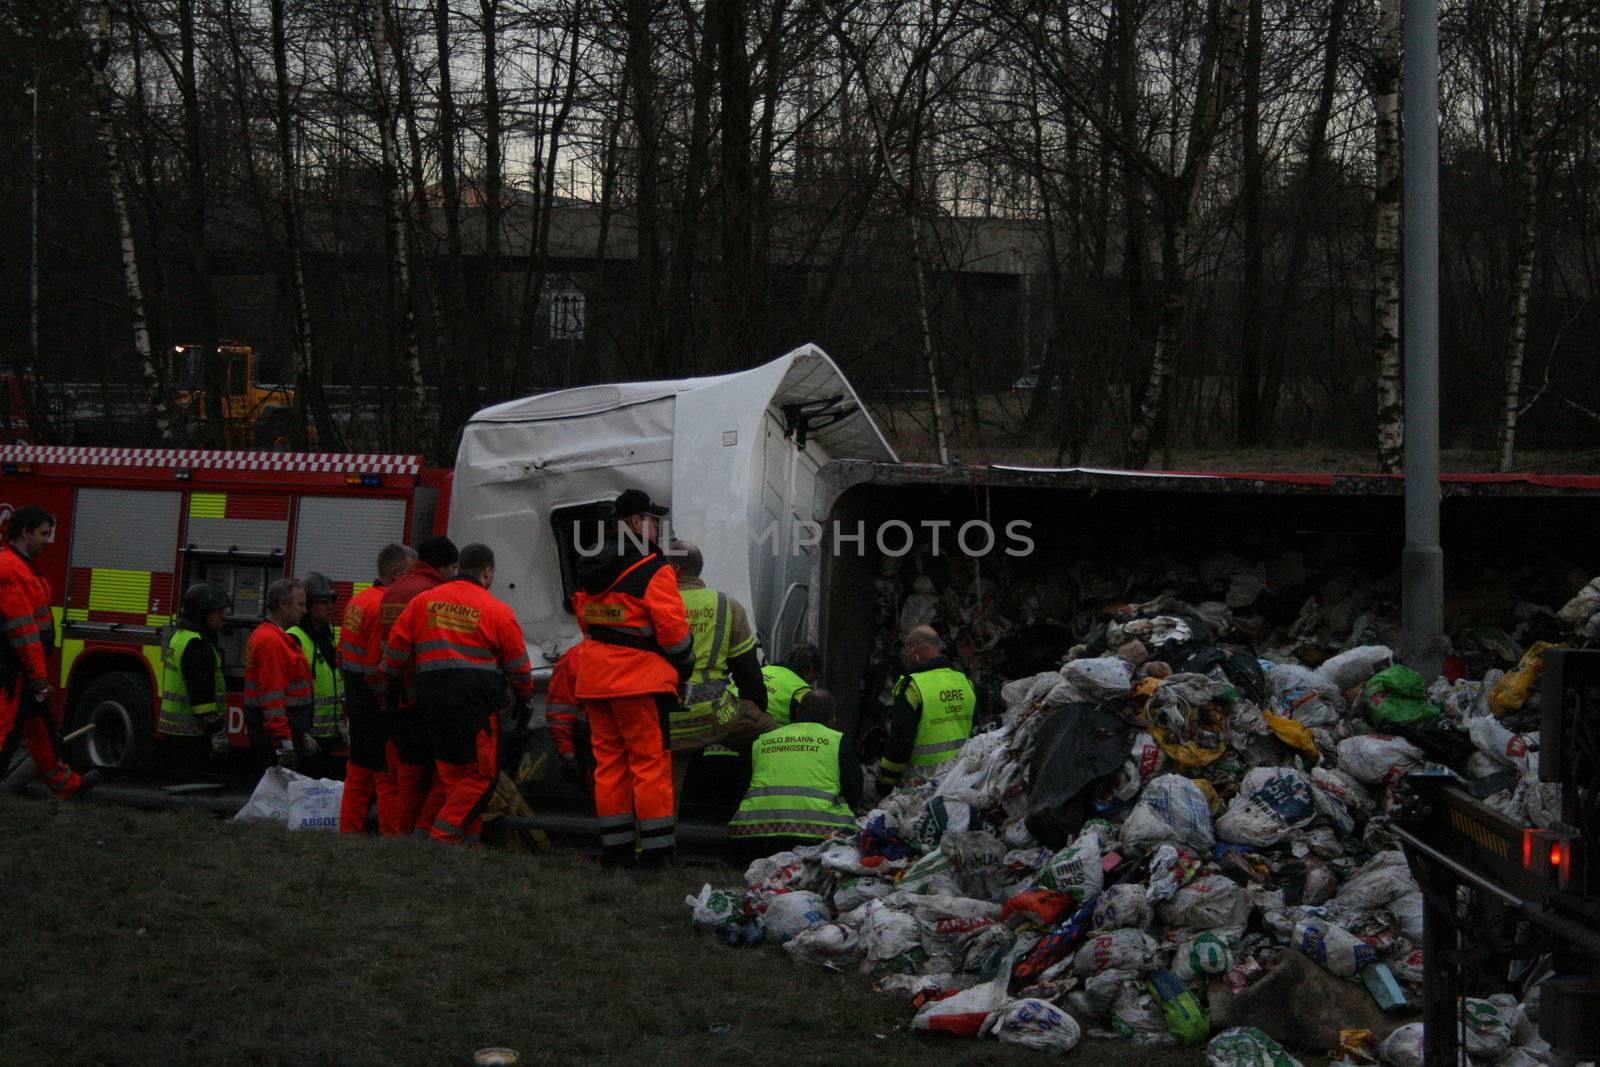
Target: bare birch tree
{"points": [[1386, 242]]}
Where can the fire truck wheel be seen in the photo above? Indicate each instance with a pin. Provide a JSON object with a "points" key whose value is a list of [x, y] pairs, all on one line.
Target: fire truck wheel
{"points": [[118, 704]]}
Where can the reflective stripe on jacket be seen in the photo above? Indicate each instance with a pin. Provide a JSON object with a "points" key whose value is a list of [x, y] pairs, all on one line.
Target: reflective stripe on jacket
{"points": [[794, 786], [180, 717], [636, 630], [325, 688], [947, 702], [276, 674], [25, 614], [357, 636], [458, 627]]}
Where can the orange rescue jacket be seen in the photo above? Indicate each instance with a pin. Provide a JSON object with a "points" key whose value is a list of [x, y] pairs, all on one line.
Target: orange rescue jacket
{"points": [[25, 614], [276, 675], [638, 644]]}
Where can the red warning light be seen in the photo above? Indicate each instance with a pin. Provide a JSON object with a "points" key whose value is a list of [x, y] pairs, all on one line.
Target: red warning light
{"points": [[1527, 850], [1555, 854]]}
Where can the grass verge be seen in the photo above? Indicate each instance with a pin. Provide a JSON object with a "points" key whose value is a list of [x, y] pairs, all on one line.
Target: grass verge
{"points": [[136, 937]]}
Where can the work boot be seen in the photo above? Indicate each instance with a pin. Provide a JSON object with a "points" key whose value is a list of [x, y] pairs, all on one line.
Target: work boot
{"points": [[657, 859], [86, 781]]}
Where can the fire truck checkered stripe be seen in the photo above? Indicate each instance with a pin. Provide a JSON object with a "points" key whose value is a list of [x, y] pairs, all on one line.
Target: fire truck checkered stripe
{"points": [[305, 462]]}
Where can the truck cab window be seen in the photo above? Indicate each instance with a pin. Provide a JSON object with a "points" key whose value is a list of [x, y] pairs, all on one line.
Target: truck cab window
{"points": [[577, 529]]}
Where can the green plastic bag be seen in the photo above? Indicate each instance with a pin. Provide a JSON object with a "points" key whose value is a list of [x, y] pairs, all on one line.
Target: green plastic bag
{"points": [[1397, 697]]}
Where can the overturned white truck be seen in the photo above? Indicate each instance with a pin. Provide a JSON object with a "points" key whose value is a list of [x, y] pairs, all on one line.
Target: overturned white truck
{"points": [[736, 456]]}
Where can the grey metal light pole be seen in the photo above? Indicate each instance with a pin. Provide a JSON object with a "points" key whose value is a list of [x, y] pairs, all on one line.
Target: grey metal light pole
{"points": [[1422, 560], [33, 230]]}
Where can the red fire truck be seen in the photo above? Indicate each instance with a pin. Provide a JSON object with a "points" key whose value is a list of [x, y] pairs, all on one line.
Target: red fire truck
{"points": [[135, 527]]}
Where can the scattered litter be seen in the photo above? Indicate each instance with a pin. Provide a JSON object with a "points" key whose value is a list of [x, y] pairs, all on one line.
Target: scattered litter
{"points": [[1160, 829]]}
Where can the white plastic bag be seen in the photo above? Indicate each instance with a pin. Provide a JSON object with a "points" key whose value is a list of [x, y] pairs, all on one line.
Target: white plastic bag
{"points": [[1353, 667], [890, 939], [1282, 677], [1210, 902], [1035, 1024], [1331, 945], [787, 914], [1122, 950], [1272, 801], [270, 800], [714, 907], [780, 870], [1172, 808], [1404, 1047], [1501, 745], [1075, 870], [1102, 679], [1372, 758], [825, 944], [314, 803], [1202, 956], [964, 1013], [1245, 1046], [1122, 907]]}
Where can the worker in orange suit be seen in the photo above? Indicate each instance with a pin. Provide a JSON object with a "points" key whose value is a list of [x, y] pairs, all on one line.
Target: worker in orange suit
{"points": [[29, 624], [410, 755], [367, 772], [569, 729], [455, 646], [637, 654], [277, 679]]}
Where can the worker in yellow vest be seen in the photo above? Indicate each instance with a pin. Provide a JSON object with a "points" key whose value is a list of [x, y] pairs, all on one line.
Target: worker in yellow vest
{"points": [[194, 693], [789, 680], [314, 633], [805, 784], [724, 700], [932, 715]]}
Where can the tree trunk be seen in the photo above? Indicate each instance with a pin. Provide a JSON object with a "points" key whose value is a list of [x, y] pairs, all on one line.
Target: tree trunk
{"points": [[930, 355], [459, 371], [308, 393], [1527, 224], [1247, 394], [678, 309], [738, 181], [1306, 204], [493, 179], [212, 378], [533, 287], [395, 239], [105, 100], [1219, 67], [419, 227], [1386, 296], [641, 74]]}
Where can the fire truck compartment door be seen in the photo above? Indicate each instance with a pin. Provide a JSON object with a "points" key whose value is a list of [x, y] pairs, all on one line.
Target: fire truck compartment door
{"points": [[340, 538]]}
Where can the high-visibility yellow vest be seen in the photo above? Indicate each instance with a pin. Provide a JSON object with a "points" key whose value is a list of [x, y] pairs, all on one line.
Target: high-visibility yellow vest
{"points": [[784, 687], [325, 694], [709, 700], [794, 786], [946, 723], [180, 718]]}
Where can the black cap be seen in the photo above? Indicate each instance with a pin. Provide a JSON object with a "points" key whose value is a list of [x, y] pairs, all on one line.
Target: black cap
{"points": [[318, 587], [438, 552], [636, 502]]}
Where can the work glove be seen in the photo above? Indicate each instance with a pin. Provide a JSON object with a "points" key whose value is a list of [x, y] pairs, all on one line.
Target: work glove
{"points": [[344, 730], [285, 754], [219, 744], [571, 773], [39, 690], [309, 746], [522, 714]]}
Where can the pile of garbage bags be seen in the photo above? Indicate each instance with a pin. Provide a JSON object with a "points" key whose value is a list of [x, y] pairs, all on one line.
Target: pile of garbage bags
{"points": [[1146, 836]]}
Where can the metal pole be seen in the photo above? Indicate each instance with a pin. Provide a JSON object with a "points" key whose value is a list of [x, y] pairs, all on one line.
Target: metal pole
{"points": [[1422, 560], [33, 232]]}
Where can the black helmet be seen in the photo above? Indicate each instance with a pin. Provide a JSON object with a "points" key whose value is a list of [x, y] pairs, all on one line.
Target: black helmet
{"points": [[201, 599], [318, 587]]}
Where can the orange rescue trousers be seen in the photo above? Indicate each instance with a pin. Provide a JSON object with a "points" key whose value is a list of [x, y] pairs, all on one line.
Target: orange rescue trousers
{"points": [[464, 778], [632, 778], [367, 776], [31, 721], [411, 759]]}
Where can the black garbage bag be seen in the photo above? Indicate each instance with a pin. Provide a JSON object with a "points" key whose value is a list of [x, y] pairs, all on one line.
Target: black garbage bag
{"points": [[1239, 665], [1077, 746]]}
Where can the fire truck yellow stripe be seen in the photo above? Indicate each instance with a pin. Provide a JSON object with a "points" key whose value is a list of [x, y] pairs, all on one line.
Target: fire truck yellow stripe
{"points": [[208, 505], [71, 649], [118, 590]]}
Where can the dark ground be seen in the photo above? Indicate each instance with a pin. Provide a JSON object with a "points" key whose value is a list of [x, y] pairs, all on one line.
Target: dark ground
{"points": [[132, 937]]}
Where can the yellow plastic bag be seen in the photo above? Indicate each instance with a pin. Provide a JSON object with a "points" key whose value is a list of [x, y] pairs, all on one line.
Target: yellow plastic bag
{"points": [[1297, 735], [1511, 692]]}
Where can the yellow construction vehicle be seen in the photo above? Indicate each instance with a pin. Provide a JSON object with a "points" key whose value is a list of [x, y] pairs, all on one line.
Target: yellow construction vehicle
{"points": [[253, 415]]}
